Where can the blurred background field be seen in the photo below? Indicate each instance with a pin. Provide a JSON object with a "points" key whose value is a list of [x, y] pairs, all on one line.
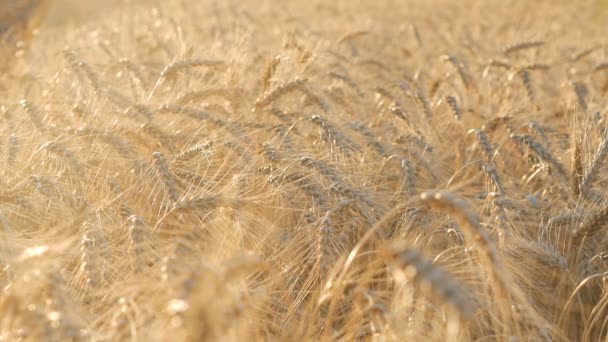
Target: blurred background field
{"points": [[74, 12]]}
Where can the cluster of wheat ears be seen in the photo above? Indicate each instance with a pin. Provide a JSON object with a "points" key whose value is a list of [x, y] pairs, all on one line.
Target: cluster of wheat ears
{"points": [[308, 170]]}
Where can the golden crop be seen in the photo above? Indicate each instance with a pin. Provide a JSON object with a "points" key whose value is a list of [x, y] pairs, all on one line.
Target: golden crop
{"points": [[304, 170]]}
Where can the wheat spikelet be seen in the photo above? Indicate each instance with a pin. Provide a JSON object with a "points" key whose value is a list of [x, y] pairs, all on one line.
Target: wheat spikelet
{"points": [[467, 219], [202, 148], [424, 103], [409, 175], [143, 111], [7, 248], [546, 156], [348, 191], [136, 79], [492, 125], [581, 91], [347, 80], [353, 35], [526, 80], [451, 101], [122, 146], [417, 94], [536, 67], [281, 115], [394, 107], [324, 241], [475, 234], [569, 218], [484, 143], [189, 112], [81, 68], [582, 54], [592, 222], [137, 230], [416, 34], [522, 46], [379, 65], [11, 153], [44, 185], [89, 260], [492, 175], [496, 63], [369, 136], [229, 95], [577, 172], [498, 213], [269, 72], [536, 128], [270, 152], [594, 169], [125, 211], [331, 134], [210, 202], [460, 68], [600, 66], [60, 150], [164, 175], [322, 167], [84, 71], [384, 93], [277, 92], [304, 183], [441, 282], [314, 98], [34, 114], [400, 113], [171, 69]]}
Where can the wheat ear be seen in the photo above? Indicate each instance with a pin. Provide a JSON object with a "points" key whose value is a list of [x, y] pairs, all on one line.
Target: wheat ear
{"points": [[441, 281], [577, 167], [581, 91], [596, 164], [451, 101], [172, 69], [546, 156], [522, 46], [332, 135], [600, 67], [276, 93], [269, 72], [461, 70], [472, 231], [592, 222], [164, 175]]}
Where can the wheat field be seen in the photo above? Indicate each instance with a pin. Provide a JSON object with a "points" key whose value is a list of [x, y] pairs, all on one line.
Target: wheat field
{"points": [[341, 170]]}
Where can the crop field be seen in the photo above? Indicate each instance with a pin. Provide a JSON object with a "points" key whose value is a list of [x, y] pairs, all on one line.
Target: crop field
{"points": [[261, 170]]}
